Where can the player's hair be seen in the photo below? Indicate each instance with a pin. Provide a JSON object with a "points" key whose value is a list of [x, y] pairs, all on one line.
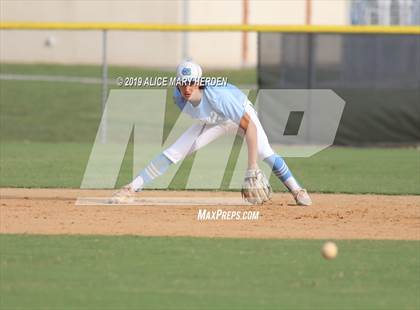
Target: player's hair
{"points": [[199, 87]]}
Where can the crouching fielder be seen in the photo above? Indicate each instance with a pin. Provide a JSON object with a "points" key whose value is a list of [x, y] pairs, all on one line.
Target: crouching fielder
{"points": [[220, 110]]}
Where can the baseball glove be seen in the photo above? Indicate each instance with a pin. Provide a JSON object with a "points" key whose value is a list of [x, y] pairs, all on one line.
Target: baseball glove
{"points": [[256, 188]]}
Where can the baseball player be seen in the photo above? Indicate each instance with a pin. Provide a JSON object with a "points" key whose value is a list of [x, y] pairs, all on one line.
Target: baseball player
{"points": [[219, 110]]}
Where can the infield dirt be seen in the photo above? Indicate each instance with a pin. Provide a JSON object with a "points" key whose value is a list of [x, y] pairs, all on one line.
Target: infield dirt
{"points": [[333, 216]]}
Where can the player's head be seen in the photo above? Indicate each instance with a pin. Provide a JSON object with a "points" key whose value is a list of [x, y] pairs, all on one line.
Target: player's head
{"points": [[188, 74], [188, 71]]}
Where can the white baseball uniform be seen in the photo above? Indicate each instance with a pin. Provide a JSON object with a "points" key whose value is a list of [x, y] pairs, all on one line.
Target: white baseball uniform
{"points": [[219, 113]]}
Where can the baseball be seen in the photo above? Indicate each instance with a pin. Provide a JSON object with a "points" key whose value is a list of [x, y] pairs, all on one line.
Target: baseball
{"points": [[329, 250]]}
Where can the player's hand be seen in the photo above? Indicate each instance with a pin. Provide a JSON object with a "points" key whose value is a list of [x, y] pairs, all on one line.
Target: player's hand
{"points": [[256, 188]]}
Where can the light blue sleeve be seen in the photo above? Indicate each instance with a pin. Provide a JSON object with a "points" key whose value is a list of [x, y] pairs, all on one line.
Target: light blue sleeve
{"points": [[229, 102], [178, 100]]}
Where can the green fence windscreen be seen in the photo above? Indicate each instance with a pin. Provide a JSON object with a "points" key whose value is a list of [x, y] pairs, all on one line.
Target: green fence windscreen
{"points": [[377, 75]]}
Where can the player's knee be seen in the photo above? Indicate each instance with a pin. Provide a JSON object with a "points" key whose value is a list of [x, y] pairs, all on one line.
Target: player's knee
{"points": [[264, 153], [173, 156]]}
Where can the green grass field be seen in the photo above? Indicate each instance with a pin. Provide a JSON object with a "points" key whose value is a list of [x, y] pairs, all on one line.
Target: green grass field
{"points": [[41, 164], [46, 133], [48, 128], [188, 273]]}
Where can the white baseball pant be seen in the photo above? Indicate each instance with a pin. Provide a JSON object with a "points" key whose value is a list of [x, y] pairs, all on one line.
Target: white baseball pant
{"points": [[200, 134]]}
